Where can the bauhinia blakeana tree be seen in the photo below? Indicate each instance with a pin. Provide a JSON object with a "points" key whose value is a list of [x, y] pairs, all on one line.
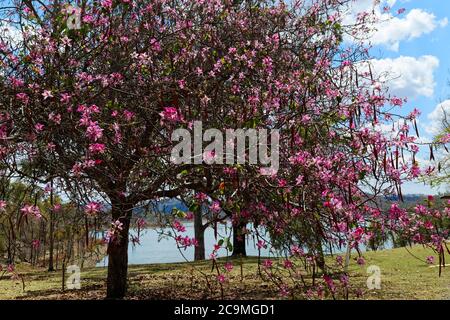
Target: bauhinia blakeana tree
{"points": [[96, 104]]}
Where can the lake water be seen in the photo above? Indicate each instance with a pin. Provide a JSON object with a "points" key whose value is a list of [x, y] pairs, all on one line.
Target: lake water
{"points": [[155, 250]]}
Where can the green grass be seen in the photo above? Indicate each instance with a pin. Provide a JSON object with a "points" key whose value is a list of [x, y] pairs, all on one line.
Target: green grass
{"points": [[403, 276]]}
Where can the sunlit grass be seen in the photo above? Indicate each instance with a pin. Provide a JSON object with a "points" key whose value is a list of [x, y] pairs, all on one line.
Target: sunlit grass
{"points": [[404, 275]]}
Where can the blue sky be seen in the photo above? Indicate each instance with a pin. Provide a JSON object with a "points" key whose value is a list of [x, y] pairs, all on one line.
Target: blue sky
{"points": [[415, 45]]}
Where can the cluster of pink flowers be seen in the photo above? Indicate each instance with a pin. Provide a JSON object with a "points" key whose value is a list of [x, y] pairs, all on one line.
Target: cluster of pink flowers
{"points": [[171, 114], [29, 210], [3, 205], [113, 232], [178, 226], [92, 208], [185, 242]]}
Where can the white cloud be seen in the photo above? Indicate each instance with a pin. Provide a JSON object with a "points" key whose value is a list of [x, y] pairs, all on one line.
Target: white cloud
{"points": [[390, 30], [436, 117], [407, 76], [394, 30]]}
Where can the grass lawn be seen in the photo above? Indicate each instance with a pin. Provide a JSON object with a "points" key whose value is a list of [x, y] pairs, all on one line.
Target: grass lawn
{"points": [[403, 276]]}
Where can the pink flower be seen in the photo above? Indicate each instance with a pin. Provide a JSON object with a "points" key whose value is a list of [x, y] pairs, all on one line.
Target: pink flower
{"points": [[128, 115], [36, 244], [201, 196], [141, 223], [3, 205], [107, 4], [155, 45], [189, 215], [288, 264], [181, 84], [178, 226], [56, 118], [170, 114], [39, 127], [215, 207], [228, 266], [361, 261], [221, 278], [445, 138], [330, 283], [185, 242], [261, 244], [268, 263], [23, 97], [47, 94], [31, 210], [92, 208], [65, 98], [97, 148], [430, 259], [94, 132], [344, 280]]}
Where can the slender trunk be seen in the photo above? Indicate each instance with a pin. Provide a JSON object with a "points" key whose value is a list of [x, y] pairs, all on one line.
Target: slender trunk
{"points": [[118, 253], [199, 231], [52, 231], [239, 241]]}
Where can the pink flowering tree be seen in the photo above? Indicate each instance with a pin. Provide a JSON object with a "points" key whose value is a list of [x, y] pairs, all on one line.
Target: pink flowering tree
{"points": [[94, 106]]}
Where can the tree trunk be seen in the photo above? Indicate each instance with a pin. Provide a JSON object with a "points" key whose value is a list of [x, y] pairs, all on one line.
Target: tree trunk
{"points": [[199, 231], [239, 241], [52, 231], [118, 254], [51, 241]]}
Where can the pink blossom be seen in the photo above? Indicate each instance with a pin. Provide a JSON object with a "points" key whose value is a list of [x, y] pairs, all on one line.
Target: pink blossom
{"points": [[23, 97], [47, 94], [39, 127], [31, 210], [106, 4], [228, 266], [268, 263], [65, 98], [215, 207], [170, 114], [92, 208], [330, 283], [189, 215], [178, 226], [128, 115], [296, 251], [94, 132], [3, 205], [288, 264], [56, 118], [430, 259], [361, 261], [97, 148], [221, 278], [261, 244], [36, 244]]}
